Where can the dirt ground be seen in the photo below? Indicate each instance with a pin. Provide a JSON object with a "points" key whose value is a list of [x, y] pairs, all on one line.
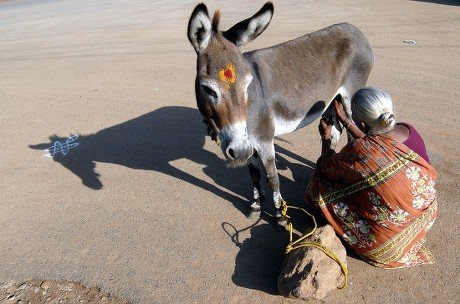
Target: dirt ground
{"points": [[144, 208], [49, 291]]}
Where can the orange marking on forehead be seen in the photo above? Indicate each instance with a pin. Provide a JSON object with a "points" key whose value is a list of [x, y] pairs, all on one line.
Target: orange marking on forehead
{"points": [[228, 75]]}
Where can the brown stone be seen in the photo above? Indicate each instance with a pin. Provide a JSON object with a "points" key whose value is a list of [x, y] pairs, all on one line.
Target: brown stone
{"points": [[308, 272]]}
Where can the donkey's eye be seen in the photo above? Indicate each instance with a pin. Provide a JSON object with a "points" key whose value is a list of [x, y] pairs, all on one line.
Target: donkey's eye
{"points": [[210, 92]]}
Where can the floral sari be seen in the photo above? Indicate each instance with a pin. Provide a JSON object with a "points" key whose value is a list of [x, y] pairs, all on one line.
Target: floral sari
{"points": [[379, 196]]}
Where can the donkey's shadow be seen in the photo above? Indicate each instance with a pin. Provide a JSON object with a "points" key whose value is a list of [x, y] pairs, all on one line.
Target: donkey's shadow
{"points": [[154, 140]]}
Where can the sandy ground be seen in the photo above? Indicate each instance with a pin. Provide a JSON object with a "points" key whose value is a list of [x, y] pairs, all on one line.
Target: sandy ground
{"points": [[50, 291], [144, 207]]}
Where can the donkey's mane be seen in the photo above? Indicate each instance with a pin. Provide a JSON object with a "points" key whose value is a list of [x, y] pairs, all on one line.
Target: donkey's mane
{"points": [[216, 21]]}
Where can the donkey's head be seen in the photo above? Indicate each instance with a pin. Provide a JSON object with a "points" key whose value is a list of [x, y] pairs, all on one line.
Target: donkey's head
{"points": [[223, 76]]}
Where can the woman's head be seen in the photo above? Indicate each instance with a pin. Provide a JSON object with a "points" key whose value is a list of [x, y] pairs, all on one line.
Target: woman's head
{"points": [[374, 108]]}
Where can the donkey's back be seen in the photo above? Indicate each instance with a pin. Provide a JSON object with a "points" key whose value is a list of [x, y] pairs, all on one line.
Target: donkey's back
{"points": [[295, 81]]}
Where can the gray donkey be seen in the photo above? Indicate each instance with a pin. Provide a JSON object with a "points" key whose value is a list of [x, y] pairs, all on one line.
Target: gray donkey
{"points": [[249, 98]]}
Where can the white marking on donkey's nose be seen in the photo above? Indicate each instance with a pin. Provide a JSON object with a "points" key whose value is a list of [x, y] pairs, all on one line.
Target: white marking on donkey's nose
{"points": [[235, 132], [236, 137]]}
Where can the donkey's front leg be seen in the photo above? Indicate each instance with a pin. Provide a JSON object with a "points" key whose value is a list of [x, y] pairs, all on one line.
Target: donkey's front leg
{"points": [[267, 155], [258, 198]]}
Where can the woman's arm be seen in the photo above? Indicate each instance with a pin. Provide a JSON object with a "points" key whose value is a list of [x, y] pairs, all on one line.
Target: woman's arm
{"points": [[332, 166], [326, 162], [346, 122], [325, 128]]}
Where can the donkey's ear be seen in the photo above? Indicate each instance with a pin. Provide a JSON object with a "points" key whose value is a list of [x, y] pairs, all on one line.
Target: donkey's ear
{"points": [[247, 30], [199, 28]]}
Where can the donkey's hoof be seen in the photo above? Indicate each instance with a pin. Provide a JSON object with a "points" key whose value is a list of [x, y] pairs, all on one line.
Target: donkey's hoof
{"points": [[253, 214], [255, 210], [282, 222]]}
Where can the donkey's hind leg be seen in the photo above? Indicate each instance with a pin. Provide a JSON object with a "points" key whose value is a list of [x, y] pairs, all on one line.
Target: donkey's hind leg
{"points": [[258, 198], [329, 114], [335, 132]]}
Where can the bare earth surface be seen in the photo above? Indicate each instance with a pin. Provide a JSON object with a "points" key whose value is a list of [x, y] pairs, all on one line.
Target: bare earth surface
{"points": [[49, 291], [144, 208]]}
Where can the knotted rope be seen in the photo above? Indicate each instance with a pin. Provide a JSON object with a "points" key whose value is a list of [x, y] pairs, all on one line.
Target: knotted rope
{"points": [[301, 242]]}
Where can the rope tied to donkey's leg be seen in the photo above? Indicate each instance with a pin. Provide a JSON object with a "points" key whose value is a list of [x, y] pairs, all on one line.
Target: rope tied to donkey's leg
{"points": [[301, 242], [217, 141]]}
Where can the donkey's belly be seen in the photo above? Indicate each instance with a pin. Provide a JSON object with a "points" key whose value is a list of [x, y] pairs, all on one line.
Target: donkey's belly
{"points": [[284, 125]]}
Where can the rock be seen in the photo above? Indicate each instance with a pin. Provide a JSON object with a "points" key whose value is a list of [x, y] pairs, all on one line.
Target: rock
{"points": [[308, 272]]}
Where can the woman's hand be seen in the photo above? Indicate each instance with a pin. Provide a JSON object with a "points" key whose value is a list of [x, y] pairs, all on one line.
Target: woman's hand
{"points": [[339, 111], [346, 122], [325, 128]]}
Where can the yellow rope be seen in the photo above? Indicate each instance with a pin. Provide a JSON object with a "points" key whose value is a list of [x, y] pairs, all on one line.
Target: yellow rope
{"points": [[217, 141], [300, 242]]}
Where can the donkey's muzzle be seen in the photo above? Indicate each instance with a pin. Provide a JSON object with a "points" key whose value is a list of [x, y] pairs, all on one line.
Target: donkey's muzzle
{"points": [[238, 154]]}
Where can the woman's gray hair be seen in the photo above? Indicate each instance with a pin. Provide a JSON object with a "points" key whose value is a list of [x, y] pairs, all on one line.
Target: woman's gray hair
{"points": [[374, 107]]}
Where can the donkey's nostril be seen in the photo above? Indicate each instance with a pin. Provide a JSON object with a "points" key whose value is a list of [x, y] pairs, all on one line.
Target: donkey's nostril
{"points": [[231, 152]]}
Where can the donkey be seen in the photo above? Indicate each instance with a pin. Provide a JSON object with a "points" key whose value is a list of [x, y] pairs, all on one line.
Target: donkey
{"points": [[249, 98]]}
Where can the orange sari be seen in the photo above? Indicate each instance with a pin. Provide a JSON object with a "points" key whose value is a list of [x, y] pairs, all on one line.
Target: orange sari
{"points": [[379, 196]]}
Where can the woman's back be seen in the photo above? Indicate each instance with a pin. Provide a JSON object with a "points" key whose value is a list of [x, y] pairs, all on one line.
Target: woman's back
{"points": [[374, 191]]}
